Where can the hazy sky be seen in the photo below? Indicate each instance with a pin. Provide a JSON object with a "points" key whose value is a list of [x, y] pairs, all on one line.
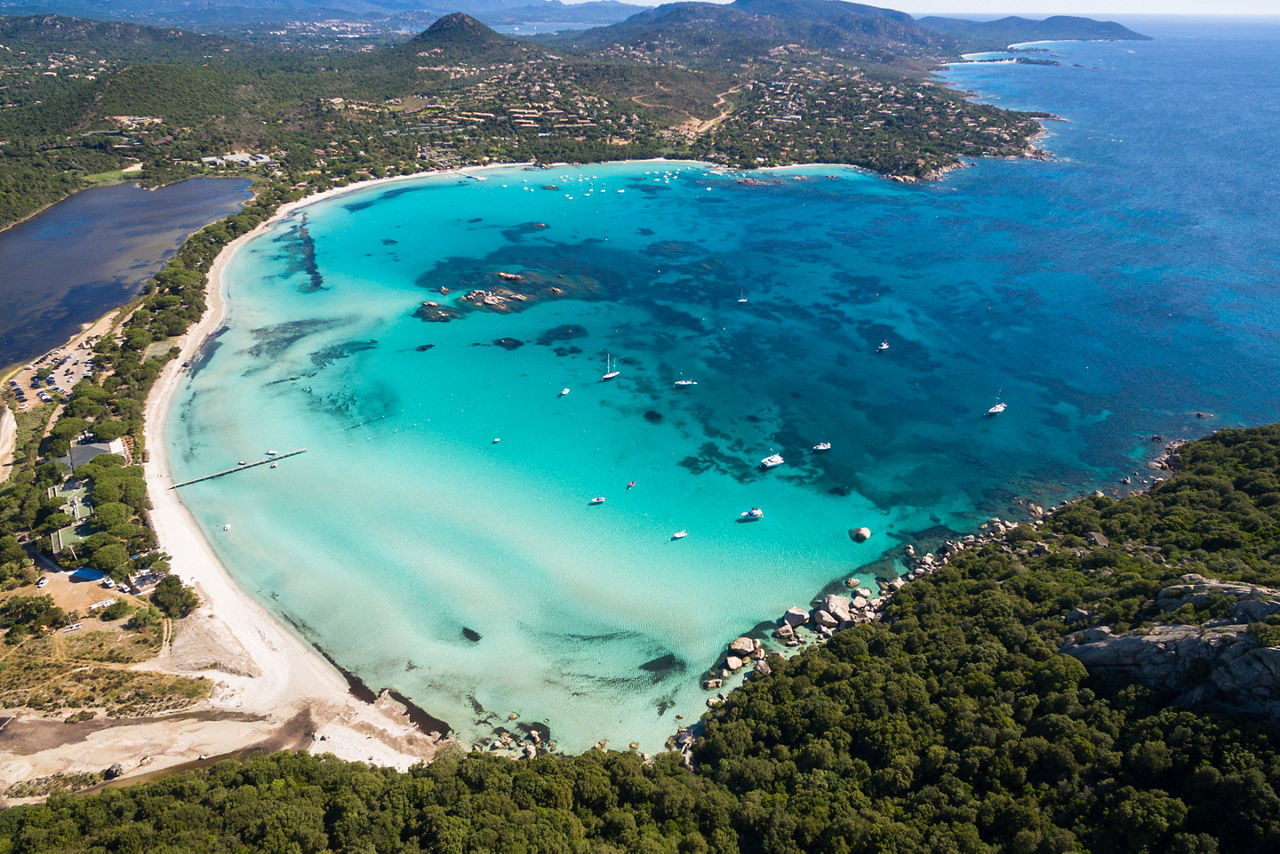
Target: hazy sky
{"points": [[1044, 8], [1090, 8]]}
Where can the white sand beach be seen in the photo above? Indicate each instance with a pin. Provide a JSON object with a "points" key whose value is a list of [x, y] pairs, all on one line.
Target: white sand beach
{"points": [[8, 438], [290, 677], [272, 689]]}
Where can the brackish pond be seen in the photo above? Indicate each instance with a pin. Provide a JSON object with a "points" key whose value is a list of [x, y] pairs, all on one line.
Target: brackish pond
{"points": [[75, 261]]}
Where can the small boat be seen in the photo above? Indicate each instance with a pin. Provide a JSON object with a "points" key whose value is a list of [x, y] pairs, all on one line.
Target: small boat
{"points": [[771, 461], [271, 453], [564, 391], [684, 383], [821, 446], [226, 527], [1000, 405], [742, 295], [275, 465], [680, 535], [243, 463], [884, 345], [751, 515], [631, 485], [495, 441], [597, 500], [609, 370]]}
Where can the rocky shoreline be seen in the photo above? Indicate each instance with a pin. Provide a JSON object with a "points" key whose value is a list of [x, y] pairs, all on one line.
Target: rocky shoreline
{"points": [[833, 613]]}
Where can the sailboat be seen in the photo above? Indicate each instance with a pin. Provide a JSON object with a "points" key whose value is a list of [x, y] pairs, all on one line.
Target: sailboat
{"points": [[771, 461], [609, 371], [999, 406], [684, 383], [742, 296]]}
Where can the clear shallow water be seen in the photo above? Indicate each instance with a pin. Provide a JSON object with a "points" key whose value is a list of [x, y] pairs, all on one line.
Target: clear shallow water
{"points": [[89, 253], [1105, 296]]}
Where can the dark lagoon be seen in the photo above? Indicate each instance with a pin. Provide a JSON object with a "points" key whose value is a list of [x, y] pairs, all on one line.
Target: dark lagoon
{"points": [[75, 261]]}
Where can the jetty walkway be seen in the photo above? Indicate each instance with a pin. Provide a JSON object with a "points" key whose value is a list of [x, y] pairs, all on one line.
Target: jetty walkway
{"points": [[271, 458]]}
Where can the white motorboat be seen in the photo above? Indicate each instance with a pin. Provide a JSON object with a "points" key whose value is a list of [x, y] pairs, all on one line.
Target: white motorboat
{"points": [[597, 500], [821, 446], [771, 461], [680, 535], [751, 515], [564, 391], [884, 345]]}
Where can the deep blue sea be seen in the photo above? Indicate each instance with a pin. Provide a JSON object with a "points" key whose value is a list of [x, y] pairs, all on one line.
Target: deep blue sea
{"points": [[89, 253], [1107, 295]]}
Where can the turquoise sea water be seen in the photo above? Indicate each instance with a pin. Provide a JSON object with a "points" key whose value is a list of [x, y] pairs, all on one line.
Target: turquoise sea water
{"points": [[1105, 296]]}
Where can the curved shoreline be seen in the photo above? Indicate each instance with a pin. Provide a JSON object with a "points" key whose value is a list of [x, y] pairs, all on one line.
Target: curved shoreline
{"points": [[179, 532], [293, 677]]}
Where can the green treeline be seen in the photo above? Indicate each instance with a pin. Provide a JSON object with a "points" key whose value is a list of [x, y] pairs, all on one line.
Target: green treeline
{"points": [[954, 724]]}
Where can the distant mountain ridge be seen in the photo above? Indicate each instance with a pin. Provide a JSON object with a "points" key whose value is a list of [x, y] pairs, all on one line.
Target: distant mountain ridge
{"points": [[744, 27], [111, 37], [711, 31], [221, 14], [1012, 30], [715, 28]]}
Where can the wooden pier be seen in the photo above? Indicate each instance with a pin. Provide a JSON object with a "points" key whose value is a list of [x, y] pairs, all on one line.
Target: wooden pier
{"points": [[268, 459]]}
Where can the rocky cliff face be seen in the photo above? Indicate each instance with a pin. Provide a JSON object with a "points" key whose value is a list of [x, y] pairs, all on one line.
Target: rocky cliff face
{"points": [[1217, 662]]}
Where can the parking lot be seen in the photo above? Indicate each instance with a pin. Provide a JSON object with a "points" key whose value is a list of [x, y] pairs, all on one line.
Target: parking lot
{"points": [[53, 375]]}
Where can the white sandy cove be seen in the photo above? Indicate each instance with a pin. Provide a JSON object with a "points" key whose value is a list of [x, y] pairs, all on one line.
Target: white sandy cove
{"points": [[293, 677], [272, 689]]}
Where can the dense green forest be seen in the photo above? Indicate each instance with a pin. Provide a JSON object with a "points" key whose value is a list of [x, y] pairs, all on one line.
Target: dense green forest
{"points": [[953, 724]]}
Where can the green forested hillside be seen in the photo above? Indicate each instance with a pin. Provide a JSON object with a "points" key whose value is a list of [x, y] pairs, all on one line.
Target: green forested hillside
{"points": [[82, 100], [42, 34], [954, 724]]}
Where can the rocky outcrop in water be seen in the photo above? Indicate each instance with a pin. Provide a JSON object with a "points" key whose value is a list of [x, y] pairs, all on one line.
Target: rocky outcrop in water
{"points": [[433, 312]]}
